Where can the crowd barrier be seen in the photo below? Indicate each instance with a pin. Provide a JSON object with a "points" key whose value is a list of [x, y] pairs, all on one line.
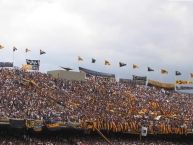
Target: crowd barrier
{"points": [[132, 127]]}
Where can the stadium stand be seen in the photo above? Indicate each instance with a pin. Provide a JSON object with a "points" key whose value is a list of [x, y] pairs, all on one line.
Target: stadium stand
{"points": [[34, 100]]}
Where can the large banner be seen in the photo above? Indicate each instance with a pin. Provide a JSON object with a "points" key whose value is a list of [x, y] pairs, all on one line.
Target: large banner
{"points": [[183, 82], [143, 78], [184, 87], [161, 85], [33, 63], [132, 82], [6, 64], [17, 123]]}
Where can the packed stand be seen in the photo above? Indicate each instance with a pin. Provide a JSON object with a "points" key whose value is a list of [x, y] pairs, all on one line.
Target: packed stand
{"points": [[104, 102]]}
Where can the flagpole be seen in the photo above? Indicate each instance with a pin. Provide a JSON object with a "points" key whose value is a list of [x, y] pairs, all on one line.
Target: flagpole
{"points": [[13, 58], [25, 56], [78, 63], [147, 74], [161, 76], [175, 80], [40, 61]]}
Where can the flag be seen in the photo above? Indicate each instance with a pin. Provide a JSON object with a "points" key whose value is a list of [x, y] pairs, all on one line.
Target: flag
{"points": [[26, 67], [93, 60], [178, 73], [150, 69], [107, 62], [183, 82], [191, 75], [14, 48], [42, 52], [80, 58], [1, 46], [27, 50], [121, 64], [163, 71], [135, 66]]}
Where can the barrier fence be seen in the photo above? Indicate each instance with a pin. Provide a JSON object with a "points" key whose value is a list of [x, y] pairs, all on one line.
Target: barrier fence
{"points": [[132, 127]]}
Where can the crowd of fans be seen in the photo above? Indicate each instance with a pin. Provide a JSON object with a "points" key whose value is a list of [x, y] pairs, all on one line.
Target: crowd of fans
{"points": [[104, 102], [24, 140], [14, 141]]}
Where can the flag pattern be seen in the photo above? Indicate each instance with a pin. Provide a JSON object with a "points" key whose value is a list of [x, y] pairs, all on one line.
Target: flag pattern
{"points": [[178, 73], [121, 64], [80, 58], [107, 62], [14, 48], [163, 71], [150, 69], [93, 60], [1, 46], [135, 66], [42, 52], [27, 50]]}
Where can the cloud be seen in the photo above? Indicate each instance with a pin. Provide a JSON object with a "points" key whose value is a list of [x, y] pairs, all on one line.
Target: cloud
{"points": [[152, 32]]}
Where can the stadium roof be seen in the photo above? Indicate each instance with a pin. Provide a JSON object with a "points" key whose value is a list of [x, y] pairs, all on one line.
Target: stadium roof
{"points": [[96, 73]]}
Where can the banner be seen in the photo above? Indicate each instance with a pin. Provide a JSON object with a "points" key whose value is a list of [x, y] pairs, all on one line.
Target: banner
{"points": [[143, 78], [6, 64], [183, 82], [17, 123], [132, 82], [54, 126], [27, 67], [161, 85], [38, 125], [73, 124], [33, 63], [184, 87], [34, 67], [29, 123], [144, 131]]}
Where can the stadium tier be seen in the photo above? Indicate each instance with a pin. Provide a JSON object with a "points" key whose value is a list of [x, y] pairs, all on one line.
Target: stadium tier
{"points": [[35, 100]]}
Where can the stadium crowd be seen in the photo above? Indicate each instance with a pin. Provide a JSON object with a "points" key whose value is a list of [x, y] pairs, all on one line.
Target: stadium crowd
{"points": [[25, 140], [35, 141], [97, 102]]}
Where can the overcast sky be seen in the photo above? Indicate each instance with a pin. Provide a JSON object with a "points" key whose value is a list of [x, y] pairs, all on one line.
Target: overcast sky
{"points": [[155, 33]]}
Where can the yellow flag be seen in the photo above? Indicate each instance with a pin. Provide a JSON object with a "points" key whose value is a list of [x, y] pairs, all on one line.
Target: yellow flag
{"points": [[1, 46], [163, 71], [26, 67], [107, 62], [135, 66]]}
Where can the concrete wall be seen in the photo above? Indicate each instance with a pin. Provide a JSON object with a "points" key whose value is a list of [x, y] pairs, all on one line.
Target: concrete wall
{"points": [[68, 75]]}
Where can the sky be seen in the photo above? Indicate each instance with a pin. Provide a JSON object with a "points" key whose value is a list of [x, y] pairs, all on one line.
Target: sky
{"points": [[155, 33]]}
